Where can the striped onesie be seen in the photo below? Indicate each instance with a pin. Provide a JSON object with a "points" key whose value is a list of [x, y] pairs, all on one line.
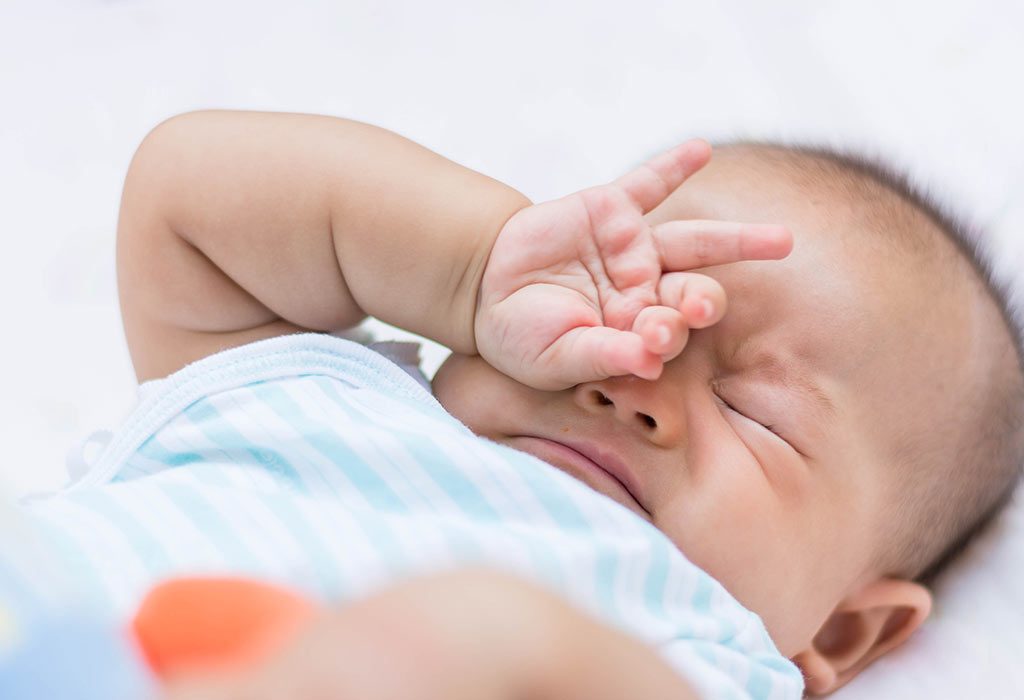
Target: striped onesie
{"points": [[313, 462]]}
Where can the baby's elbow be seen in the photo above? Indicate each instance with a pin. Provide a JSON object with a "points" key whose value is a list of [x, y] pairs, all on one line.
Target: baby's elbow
{"points": [[168, 157], [152, 154], [161, 140]]}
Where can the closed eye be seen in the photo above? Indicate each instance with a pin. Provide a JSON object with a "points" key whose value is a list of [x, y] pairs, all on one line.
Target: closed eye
{"points": [[766, 426]]}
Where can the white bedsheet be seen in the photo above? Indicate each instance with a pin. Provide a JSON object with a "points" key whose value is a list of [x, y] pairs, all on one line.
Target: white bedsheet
{"points": [[547, 96]]}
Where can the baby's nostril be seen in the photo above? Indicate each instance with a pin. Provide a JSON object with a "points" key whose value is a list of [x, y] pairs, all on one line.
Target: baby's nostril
{"points": [[601, 399], [648, 420]]}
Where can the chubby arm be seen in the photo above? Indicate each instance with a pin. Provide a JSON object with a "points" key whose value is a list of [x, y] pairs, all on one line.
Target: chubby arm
{"points": [[237, 226], [470, 634]]}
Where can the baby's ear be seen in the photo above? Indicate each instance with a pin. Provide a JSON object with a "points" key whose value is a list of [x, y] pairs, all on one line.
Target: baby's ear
{"points": [[863, 627]]}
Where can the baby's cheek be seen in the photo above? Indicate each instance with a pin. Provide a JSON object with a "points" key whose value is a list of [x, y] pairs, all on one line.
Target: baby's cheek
{"points": [[453, 388], [474, 392], [732, 526]]}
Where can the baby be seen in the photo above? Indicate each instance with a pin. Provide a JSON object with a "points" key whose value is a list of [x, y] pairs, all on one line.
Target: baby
{"points": [[809, 460]]}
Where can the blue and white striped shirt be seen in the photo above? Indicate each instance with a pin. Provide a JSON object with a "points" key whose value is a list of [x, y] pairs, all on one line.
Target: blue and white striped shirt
{"points": [[313, 462]]}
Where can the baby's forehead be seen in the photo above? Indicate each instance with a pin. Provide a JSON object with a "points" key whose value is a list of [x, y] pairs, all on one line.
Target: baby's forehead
{"points": [[860, 234], [823, 187], [739, 188], [841, 215]]}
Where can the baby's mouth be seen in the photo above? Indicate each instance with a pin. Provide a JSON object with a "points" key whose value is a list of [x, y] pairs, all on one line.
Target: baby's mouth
{"points": [[577, 463]]}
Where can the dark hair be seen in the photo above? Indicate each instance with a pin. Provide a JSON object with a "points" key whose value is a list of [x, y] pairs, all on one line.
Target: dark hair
{"points": [[987, 458]]}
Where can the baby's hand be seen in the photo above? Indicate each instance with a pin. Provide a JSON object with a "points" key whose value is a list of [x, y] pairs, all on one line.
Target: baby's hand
{"points": [[583, 288]]}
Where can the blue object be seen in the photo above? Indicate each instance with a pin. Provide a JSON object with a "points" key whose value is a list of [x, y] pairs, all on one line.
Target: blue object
{"points": [[73, 658], [53, 645]]}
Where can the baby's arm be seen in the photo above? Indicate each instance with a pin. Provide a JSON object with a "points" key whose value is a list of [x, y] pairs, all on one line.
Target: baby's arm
{"points": [[237, 226]]}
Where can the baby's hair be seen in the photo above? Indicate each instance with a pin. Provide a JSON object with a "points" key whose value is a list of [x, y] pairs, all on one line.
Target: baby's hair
{"points": [[946, 503]]}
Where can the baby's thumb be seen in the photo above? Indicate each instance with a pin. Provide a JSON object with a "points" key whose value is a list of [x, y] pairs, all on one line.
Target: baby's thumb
{"points": [[592, 353]]}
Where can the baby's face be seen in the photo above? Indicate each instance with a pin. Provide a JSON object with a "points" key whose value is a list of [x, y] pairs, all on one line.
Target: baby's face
{"points": [[759, 449]]}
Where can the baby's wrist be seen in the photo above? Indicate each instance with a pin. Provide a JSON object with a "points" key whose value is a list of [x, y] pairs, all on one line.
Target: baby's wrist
{"points": [[426, 280], [467, 295]]}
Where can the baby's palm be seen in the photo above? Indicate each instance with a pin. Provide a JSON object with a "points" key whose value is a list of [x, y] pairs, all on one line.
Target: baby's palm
{"points": [[583, 288]]}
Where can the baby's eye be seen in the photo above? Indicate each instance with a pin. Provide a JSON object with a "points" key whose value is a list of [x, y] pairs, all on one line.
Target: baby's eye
{"points": [[767, 426]]}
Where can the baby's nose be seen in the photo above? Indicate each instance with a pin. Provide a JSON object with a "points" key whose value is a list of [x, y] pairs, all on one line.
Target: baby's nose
{"points": [[634, 402]]}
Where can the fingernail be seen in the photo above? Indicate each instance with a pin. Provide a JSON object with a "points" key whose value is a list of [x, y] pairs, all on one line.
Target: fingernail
{"points": [[663, 335], [707, 308]]}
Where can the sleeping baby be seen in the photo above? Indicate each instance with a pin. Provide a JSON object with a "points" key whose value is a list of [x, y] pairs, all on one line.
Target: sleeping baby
{"points": [[743, 450]]}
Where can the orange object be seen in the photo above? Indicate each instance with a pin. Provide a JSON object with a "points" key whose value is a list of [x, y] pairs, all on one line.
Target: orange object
{"points": [[201, 625]]}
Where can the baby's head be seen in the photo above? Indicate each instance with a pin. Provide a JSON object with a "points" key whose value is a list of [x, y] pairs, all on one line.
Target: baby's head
{"points": [[826, 448]]}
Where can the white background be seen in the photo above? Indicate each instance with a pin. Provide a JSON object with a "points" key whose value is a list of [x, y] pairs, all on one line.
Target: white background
{"points": [[547, 96]]}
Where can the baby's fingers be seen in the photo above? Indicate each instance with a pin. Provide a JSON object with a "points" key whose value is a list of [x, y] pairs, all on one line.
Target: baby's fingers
{"points": [[648, 185], [591, 353], [663, 329], [687, 245], [700, 299]]}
